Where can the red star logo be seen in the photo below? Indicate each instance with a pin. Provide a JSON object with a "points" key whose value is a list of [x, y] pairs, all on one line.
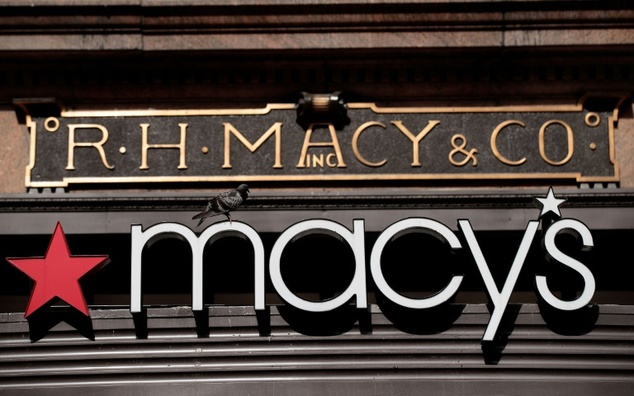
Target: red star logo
{"points": [[57, 274]]}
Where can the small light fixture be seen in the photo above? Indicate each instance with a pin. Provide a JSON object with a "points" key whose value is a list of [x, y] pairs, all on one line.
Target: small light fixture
{"points": [[323, 109]]}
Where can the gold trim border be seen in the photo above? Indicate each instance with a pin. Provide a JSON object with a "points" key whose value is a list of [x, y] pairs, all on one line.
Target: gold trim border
{"points": [[275, 178], [177, 113]]}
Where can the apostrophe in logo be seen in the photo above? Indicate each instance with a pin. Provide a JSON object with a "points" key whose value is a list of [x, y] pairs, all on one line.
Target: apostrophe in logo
{"points": [[57, 274]]}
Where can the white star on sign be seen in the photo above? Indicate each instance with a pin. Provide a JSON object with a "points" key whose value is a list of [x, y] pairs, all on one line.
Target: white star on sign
{"points": [[550, 203]]}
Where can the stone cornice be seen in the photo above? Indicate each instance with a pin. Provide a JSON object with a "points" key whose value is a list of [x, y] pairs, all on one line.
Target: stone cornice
{"points": [[272, 25]]}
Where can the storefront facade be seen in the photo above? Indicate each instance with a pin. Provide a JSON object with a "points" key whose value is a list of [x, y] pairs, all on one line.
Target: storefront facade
{"points": [[441, 197]]}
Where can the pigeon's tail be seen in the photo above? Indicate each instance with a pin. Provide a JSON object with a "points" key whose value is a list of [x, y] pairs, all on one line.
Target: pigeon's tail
{"points": [[200, 215], [203, 215]]}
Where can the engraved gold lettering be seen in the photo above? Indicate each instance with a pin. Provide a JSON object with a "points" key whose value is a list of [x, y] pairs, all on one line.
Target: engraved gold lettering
{"points": [[98, 145], [180, 146], [415, 139], [318, 160], [460, 149], [275, 129], [333, 143], [330, 157], [542, 144], [355, 143], [494, 145]]}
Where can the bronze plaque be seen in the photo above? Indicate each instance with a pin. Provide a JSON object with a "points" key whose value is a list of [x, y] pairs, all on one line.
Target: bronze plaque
{"points": [[450, 144]]}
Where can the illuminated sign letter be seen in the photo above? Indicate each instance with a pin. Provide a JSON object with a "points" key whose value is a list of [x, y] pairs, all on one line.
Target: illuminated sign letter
{"points": [[499, 299], [356, 241], [403, 227], [576, 228]]}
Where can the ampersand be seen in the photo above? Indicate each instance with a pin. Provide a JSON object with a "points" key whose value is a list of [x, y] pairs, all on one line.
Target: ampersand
{"points": [[460, 149]]}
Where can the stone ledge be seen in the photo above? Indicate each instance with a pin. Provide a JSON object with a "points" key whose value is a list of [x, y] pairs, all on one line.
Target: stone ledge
{"points": [[162, 25]]}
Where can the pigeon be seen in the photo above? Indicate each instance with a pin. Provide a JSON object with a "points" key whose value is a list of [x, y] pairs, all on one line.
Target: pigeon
{"points": [[224, 203]]}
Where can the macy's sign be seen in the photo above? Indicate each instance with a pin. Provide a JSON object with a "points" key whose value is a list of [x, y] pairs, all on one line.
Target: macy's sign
{"points": [[57, 274], [356, 241]]}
